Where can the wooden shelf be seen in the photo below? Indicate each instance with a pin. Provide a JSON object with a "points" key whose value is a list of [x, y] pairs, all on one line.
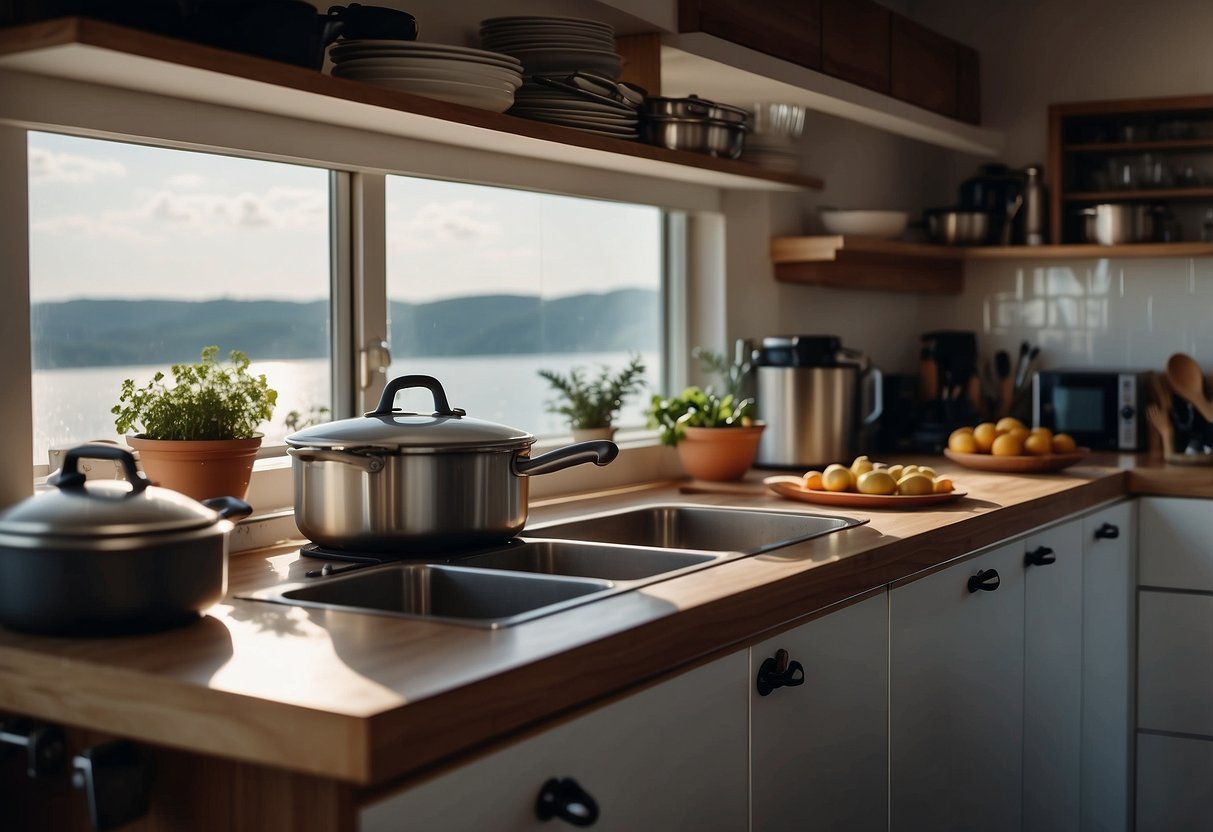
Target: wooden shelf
{"points": [[894, 266], [1141, 195], [100, 53], [1177, 145]]}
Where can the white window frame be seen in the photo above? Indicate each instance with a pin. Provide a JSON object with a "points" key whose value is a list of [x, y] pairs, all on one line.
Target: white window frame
{"points": [[362, 159]]}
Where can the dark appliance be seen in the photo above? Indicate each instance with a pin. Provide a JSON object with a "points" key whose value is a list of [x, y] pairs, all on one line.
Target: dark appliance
{"points": [[1101, 409]]}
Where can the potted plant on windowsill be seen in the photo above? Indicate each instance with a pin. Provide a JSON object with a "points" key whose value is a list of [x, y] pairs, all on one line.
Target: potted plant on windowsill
{"points": [[198, 436], [591, 404], [716, 436]]}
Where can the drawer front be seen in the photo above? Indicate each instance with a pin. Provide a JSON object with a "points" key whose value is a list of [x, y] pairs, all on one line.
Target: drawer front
{"points": [[1173, 777], [1176, 543], [1175, 662]]}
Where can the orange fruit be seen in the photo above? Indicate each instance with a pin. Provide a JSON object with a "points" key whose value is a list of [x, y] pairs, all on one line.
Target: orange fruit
{"points": [[984, 435], [1009, 444], [943, 485], [962, 443], [812, 481], [1007, 423], [1038, 444], [1044, 431], [1063, 443]]}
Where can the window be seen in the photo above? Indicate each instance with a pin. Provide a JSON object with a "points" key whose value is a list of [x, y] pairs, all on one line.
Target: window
{"points": [[142, 256], [486, 286]]}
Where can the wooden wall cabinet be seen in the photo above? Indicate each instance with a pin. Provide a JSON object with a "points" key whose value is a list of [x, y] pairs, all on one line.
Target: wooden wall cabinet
{"points": [[855, 42], [787, 29]]}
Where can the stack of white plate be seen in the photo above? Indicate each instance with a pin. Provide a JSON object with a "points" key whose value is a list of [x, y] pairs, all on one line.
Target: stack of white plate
{"points": [[775, 130], [472, 77], [585, 110], [554, 45]]}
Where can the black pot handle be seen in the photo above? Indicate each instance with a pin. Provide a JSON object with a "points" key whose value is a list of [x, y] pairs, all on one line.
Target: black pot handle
{"points": [[986, 580], [388, 399], [1107, 531], [229, 507], [1040, 556], [598, 451], [70, 477], [564, 798]]}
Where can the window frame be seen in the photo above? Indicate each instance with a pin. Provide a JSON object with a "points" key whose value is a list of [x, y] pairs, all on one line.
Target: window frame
{"points": [[359, 161]]}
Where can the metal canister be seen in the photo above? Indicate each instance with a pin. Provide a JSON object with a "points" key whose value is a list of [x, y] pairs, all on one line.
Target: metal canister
{"points": [[1035, 206]]}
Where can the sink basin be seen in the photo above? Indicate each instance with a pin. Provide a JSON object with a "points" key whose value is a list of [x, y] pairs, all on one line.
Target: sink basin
{"points": [[482, 598], [707, 528], [560, 557]]}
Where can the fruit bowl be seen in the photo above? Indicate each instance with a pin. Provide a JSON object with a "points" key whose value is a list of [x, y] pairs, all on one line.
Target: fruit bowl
{"points": [[1017, 464], [792, 488]]}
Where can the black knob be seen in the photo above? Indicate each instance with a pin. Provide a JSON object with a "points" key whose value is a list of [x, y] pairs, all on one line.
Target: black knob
{"points": [[563, 797], [1127, 412], [986, 580], [1107, 532], [1040, 556], [777, 672]]}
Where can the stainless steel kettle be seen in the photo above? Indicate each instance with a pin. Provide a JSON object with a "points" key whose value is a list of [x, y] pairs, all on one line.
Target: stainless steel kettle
{"points": [[808, 393]]}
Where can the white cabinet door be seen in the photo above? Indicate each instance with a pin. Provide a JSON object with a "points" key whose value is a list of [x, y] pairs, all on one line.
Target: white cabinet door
{"points": [[670, 757], [819, 750], [1052, 707], [1175, 546], [1175, 665], [1108, 624], [1173, 777], [956, 698]]}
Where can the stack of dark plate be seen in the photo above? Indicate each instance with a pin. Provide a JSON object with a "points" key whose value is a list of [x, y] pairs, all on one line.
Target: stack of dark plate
{"points": [[570, 73]]}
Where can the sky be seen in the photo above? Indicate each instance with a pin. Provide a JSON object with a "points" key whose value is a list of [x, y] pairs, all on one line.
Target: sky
{"points": [[114, 220]]}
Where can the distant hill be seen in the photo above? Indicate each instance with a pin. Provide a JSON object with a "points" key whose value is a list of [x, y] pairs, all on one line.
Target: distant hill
{"points": [[107, 333]]}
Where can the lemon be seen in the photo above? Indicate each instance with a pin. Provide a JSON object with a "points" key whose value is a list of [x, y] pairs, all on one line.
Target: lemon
{"points": [[963, 443], [861, 465], [943, 485], [1063, 443], [812, 481], [837, 478], [908, 469], [896, 472], [915, 485], [928, 470], [984, 435], [1008, 444], [876, 482]]}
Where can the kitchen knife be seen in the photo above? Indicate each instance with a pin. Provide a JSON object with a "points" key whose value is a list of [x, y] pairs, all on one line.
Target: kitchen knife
{"points": [[1020, 364]]}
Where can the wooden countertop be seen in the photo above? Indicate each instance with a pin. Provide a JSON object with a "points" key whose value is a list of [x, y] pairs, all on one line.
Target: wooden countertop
{"points": [[366, 699]]}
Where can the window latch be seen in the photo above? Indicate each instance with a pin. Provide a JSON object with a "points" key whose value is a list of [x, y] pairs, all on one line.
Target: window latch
{"points": [[373, 360]]}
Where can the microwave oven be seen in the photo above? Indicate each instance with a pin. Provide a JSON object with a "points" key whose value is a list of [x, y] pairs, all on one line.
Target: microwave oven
{"points": [[1102, 409]]}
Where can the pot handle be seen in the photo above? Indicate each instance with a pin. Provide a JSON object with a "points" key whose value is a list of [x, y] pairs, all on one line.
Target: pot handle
{"points": [[598, 451], [370, 463], [70, 476], [228, 507], [388, 399]]}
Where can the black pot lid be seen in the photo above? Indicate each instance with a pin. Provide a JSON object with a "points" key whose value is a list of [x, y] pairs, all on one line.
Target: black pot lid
{"points": [[104, 509], [385, 428]]}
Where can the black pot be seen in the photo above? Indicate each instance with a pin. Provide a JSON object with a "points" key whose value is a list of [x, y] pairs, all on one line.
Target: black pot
{"points": [[109, 556]]}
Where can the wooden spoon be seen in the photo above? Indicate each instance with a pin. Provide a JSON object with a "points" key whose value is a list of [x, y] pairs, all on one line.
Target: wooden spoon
{"points": [[1188, 382]]}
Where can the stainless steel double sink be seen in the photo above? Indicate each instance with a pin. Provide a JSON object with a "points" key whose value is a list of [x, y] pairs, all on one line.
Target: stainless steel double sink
{"points": [[559, 565]]}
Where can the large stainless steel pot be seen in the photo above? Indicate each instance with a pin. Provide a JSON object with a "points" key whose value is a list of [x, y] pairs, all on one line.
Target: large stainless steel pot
{"points": [[108, 556], [395, 481], [1117, 223]]}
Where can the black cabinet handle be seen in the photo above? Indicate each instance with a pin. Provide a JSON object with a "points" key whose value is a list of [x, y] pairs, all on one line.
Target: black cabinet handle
{"points": [[986, 580], [1040, 556], [1107, 531], [777, 672], [563, 797]]}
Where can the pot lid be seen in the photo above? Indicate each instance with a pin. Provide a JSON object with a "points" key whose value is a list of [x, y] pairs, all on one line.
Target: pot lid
{"points": [[103, 508], [446, 429]]}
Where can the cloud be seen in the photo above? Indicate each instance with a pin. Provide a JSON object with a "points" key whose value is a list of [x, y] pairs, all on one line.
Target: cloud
{"points": [[48, 166], [186, 180], [82, 225], [443, 223]]}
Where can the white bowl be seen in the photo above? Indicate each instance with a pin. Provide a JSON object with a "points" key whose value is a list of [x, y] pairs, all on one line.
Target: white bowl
{"points": [[882, 224]]}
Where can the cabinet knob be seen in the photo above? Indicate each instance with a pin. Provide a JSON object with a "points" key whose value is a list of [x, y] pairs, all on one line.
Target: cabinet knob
{"points": [[986, 580], [563, 797], [778, 672], [1107, 531], [1040, 556]]}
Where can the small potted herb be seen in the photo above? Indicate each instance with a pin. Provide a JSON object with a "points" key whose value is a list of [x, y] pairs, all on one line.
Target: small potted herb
{"points": [[716, 436], [590, 404], [199, 435]]}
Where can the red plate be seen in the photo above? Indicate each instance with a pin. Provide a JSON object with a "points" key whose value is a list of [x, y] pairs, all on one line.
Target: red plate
{"points": [[792, 489], [1017, 464]]}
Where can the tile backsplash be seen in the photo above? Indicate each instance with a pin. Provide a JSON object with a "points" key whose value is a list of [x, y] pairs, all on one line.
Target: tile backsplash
{"points": [[1122, 313]]}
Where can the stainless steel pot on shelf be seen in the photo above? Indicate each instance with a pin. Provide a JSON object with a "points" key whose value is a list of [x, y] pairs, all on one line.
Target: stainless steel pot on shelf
{"points": [[1117, 223], [395, 481]]}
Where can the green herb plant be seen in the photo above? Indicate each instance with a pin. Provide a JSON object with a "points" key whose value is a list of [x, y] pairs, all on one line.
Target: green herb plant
{"points": [[207, 400], [594, 402], [697, 407]]}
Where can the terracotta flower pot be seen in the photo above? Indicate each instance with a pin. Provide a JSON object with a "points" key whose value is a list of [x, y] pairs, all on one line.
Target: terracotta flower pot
{"points": [[719, 453], [199, 468]]}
